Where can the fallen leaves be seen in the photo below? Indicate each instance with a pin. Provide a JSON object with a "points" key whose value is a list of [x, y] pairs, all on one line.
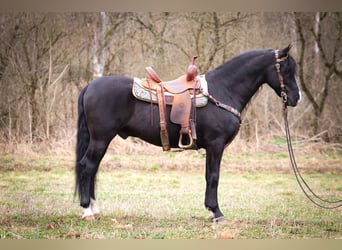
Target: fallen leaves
{"points": [[117, 225]]}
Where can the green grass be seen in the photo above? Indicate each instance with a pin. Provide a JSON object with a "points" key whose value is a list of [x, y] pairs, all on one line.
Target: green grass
{"points": [[148, 197]]}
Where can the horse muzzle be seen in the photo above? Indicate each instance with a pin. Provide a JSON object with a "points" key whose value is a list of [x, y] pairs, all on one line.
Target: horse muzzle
{"points": [[293, 100]]}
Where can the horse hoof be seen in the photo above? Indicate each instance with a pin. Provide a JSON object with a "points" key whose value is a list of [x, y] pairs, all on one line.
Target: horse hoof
{"points": [[212, 218], [219, 220]]}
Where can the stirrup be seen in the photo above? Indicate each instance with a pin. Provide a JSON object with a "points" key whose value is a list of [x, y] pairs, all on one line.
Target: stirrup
{"points": [[186, 146]]}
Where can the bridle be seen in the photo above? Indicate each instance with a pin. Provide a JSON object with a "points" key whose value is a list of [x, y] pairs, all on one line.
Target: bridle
{"points": [[302, 183], [283, 93]]}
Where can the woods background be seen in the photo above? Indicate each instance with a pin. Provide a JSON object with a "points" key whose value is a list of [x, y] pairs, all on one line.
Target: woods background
{"points": [[47, 58]]}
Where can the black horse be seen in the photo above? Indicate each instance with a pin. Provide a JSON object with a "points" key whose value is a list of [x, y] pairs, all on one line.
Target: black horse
{"points": [[107, 108]]}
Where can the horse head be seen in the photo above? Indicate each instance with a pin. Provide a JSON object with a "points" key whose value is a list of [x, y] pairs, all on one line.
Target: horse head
{"points": [[281, 76]]}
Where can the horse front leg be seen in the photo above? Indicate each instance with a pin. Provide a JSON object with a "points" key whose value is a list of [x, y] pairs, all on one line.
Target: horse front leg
{"points": [[213, 161]]}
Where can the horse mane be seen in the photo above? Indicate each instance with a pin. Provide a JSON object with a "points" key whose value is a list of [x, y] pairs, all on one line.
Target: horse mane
{"points": [[241, 58]]}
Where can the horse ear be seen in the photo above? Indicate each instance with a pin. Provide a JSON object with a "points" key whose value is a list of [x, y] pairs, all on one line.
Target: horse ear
{"points": [[287, 49], [285, 52]]}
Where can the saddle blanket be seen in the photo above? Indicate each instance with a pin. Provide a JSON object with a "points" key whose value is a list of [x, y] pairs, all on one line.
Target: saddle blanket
{"points": [[147, 95]]}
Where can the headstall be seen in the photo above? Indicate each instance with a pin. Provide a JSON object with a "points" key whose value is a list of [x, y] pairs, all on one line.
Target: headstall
{"points": [[280, 77]]}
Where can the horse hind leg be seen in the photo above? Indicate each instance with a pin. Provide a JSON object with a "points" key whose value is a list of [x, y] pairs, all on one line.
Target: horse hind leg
{"points": [[87, 176]]}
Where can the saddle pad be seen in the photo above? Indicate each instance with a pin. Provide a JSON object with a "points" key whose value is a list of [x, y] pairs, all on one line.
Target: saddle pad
{"points": [[147, 95]]}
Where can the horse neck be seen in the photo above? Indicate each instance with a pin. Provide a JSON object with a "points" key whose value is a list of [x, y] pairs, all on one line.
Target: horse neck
{"points": [[236, 81]]}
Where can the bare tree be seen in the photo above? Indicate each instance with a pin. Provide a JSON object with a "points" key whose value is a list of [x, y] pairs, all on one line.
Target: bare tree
{"points": [[46, 58], [103, 30], [316, 85], [31, 61]]}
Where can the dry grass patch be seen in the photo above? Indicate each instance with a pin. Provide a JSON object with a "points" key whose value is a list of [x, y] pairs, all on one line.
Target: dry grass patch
{"points": [[144, 194]]}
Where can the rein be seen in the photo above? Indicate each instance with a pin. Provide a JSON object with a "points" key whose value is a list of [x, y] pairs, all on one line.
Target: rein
{"points": [[302, 183]]}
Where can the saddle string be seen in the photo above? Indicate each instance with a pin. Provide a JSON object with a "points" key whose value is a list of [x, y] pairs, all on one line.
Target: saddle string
{"points": [[193, 118], [301, 182]]}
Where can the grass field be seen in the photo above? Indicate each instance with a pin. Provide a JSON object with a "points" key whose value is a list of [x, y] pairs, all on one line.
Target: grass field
{"points": [[156, 195]]}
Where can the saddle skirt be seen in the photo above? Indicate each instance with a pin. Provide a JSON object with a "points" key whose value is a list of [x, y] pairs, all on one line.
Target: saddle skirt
{"points": [[143, 93]]}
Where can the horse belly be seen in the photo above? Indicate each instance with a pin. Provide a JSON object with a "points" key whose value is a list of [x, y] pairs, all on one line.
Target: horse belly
{"points": [[144, 124]]}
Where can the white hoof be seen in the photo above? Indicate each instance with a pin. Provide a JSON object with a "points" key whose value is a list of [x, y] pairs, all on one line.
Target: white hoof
{"points": [[88, 214], [92, 211]]}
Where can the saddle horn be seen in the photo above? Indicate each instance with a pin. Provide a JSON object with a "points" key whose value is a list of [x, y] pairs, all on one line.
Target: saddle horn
{"points": [[192, 70]]}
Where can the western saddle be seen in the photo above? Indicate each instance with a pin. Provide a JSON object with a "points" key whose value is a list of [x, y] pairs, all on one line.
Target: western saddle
{"points": [[181, 89]]}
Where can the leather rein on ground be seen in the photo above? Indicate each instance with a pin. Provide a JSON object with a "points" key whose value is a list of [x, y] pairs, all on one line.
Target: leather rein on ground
{"points": [[302, 183]]}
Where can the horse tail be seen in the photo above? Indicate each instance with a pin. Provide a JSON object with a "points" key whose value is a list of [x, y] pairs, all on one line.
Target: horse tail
{"points": [[83, 139]]}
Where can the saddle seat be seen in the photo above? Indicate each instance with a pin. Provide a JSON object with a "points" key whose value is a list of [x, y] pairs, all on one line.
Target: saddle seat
{"points": [[177, 86]]}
